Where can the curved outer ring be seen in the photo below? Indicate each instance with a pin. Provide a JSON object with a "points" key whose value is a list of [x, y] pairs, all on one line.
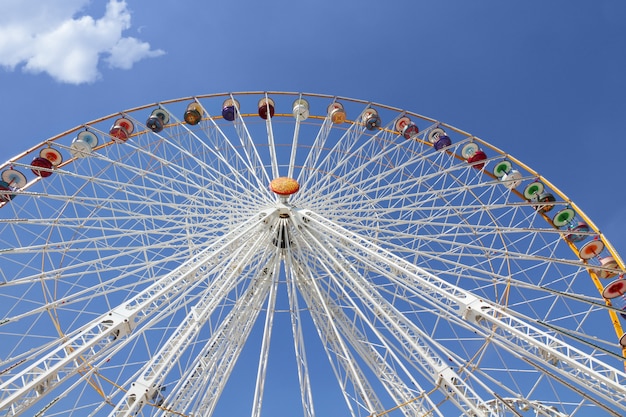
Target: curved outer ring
{"points": [[482, 145]]}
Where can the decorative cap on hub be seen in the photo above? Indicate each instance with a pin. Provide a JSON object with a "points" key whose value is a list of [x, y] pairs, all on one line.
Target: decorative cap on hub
{"points": [[284, 186]]}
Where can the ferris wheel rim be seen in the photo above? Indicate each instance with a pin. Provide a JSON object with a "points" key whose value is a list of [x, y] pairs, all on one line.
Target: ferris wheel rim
{"points": [[280, 239]]}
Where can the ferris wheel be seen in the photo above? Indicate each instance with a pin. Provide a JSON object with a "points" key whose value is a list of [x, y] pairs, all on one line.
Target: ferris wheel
{"points": [[273, 253]]}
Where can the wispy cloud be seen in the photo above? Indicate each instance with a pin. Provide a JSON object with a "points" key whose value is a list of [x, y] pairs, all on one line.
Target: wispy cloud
{"points": [[51, 36]]}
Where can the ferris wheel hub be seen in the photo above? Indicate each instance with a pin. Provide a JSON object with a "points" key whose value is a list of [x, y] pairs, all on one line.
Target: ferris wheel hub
{"points": [[284, 186]]}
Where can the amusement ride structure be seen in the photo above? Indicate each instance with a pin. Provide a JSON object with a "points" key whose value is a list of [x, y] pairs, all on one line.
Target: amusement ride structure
{"points": [[274, 253]]}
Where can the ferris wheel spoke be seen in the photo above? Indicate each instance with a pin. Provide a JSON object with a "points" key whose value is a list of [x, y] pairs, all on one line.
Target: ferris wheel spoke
{"points": [[380, 157], [507, 330], [376, 144], [412, 171], [265, 343], [217, 143], [145, 389], [409, 190], [93, 258], [185, 300], [83, 294], [227, 278], [373, 177], [116, 221], [463, 245], [384, 370], [509, 253], [212, 374], [176, 167], [85, 364], [294, 146], [337, 156], [296, 272], [409, 337], [119, 197], [402, 261], [223, 155], [349, 163], [346, 368], [250, 151], [210, 363], [94, 339], [469, 239], [67, 393], [180, 165], [107, 235], [174, 183], [271, 142], [314, 152]]}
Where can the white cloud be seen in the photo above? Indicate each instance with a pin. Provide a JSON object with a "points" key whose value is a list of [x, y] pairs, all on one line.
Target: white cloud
{"points": [[127, 51], [48, 36]]}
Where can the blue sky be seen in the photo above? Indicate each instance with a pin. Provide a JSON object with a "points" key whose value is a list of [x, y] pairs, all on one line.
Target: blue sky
{"points": [[543, 81]]}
